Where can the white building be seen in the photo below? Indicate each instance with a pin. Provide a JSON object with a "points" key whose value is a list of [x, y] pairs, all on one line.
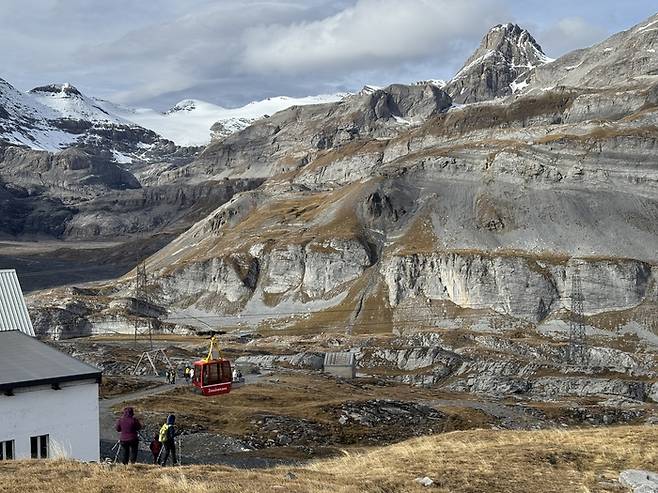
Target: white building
{"points": [[48, 402], [340, 364]]}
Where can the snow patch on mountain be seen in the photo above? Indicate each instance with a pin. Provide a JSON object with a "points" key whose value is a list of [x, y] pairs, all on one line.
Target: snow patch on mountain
{"points": [[189, 122], [68, 102]]}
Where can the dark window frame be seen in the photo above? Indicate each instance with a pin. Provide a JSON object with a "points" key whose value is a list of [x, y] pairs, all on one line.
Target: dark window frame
{"points": [[40, 446], [7, 450]]}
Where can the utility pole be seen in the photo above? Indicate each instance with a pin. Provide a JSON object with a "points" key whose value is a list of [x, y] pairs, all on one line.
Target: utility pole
{"points": [[577, 351]]}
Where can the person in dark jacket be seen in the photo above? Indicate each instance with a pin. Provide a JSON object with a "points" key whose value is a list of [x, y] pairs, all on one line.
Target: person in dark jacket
{"points": [[167, 437], [155, 447], [128, 426]]}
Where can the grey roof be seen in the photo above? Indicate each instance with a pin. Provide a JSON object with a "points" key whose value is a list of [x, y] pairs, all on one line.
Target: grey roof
{"points": [[26, 362], [13, 311], [339, 359]]}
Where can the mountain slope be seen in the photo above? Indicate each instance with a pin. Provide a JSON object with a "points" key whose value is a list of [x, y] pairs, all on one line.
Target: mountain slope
{"points": [[627, 58]]}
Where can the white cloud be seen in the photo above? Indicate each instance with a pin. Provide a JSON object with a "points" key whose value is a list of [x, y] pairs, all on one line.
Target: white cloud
{"points": [[370, 33], [570, 33], [233, 51]]}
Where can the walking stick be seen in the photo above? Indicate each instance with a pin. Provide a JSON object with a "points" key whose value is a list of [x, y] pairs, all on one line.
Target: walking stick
{"points": [[118, 447], [157, 461]]}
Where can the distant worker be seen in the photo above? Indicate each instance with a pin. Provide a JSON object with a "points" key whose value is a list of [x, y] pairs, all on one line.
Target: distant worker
{"points": [[236, 377], [167, 439], [128, 426], [168, 376], [186, 374], [173, 376], [192, 373]]}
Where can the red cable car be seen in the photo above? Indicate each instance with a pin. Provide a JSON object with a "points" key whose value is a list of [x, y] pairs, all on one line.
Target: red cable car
{"points": [[213, 374]]}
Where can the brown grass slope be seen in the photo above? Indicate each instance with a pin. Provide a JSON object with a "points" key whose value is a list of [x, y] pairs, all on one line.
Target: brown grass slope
{"points": [[472, 461]]}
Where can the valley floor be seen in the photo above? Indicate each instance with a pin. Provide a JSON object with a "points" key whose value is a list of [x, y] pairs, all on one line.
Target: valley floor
{"points": [[52, 263], [462, 461]]}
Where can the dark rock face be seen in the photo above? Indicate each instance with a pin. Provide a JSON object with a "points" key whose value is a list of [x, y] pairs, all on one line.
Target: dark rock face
{"points": [[292, 137], [57, 88], [404, 101], [70, 173], [505, 56]]}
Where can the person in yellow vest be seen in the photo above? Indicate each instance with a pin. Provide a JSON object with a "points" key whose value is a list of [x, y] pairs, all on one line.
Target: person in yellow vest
{"points": [[167, 437]]}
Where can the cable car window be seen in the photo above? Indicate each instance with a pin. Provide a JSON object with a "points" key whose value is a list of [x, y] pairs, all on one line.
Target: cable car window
{"points": [[213, 373], [227, 374]]}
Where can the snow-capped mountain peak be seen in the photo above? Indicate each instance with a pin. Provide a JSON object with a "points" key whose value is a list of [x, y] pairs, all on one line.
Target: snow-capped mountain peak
{"points": [[499, 66], [70, 103]]}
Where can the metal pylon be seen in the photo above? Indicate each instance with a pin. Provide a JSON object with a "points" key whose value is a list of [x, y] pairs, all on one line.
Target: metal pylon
{"points": [[142, 296], [577, 351]]}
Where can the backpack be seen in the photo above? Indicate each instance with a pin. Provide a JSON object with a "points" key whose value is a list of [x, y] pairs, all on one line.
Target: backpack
{"points": [[164, 432]]}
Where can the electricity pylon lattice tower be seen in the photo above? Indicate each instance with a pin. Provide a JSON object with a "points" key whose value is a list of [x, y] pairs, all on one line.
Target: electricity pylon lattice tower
{"points": [[577, 351], [142, 298]]}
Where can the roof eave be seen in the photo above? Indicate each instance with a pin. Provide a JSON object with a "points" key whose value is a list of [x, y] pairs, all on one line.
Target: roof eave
{"points": [[51, 381]]}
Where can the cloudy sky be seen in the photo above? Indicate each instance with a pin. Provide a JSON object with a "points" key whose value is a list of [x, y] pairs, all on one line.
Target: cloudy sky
{"points": [[157, 52]]}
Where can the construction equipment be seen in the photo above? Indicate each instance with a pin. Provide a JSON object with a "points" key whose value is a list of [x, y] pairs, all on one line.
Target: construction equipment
{"points": [[213, 374]]}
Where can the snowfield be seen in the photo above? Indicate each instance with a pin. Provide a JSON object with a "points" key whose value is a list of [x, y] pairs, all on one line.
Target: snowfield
{"points": [[188, 123]]}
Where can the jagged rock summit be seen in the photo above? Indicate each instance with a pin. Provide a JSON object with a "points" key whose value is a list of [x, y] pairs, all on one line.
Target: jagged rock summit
{"points": [[498, 67]]}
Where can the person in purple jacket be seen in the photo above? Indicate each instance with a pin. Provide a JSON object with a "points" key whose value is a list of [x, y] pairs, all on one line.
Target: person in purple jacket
{"points": [[128, 426]]}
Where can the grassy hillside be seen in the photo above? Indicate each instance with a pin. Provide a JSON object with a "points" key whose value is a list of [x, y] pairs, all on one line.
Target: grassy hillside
{"points": [[469, 461]]}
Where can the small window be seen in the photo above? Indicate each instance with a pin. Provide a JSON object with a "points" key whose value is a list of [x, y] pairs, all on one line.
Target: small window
{"points": [[7, 450], [39, 447]]}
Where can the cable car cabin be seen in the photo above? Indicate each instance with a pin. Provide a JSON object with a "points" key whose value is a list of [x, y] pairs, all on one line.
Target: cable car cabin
{"points": [[213, 374], [213, 377]]}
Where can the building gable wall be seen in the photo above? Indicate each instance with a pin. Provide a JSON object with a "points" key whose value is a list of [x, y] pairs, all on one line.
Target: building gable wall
{"points": [[69, 416]]}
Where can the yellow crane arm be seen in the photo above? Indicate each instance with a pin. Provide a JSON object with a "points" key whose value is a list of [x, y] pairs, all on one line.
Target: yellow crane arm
{"points": [[214, 347]]}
